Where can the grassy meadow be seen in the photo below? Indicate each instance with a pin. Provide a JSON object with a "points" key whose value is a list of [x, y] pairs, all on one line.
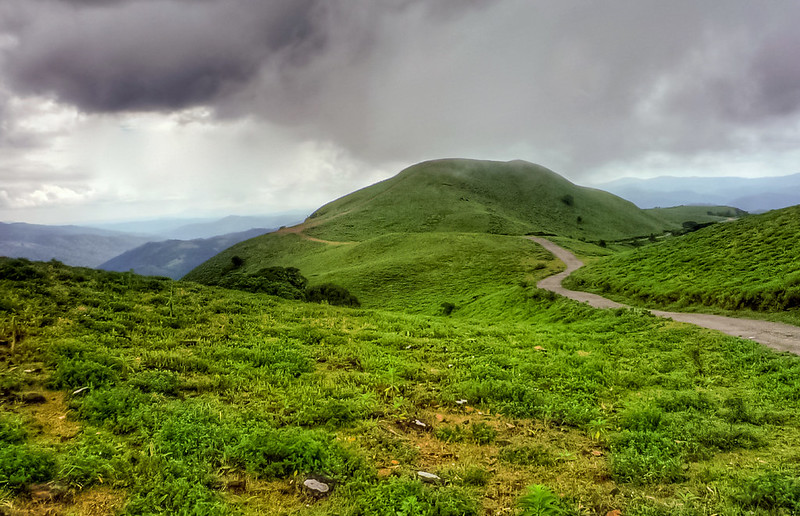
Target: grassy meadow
{"points": [[749, 266], [147, 396]]}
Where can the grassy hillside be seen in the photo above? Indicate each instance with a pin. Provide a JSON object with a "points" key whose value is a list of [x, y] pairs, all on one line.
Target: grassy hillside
{"points": [[480, 197], [414, 272], [149, 396], [750, 264], [448, 222]]}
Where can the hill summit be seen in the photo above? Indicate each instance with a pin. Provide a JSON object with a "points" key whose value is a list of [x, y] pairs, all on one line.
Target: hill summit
{"points": [[470, 196]]}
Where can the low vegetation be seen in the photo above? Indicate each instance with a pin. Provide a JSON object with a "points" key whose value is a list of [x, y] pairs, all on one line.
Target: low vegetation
{"points": [[750, 265], [148, 396]]}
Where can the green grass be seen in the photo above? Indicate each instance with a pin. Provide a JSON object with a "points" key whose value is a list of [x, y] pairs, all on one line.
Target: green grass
{"points": [[203, 400], [749, 266], [414, 272]]}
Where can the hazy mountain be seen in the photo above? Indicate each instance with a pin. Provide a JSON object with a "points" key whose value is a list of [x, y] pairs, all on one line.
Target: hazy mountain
{"points": [[174, 258], [749, 194], [188, 229], [72, 245]]}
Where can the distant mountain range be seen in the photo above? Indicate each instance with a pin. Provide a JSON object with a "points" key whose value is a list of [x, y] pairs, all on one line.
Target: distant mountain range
{"points": [[72, 245], [189, 229], [174, 258], [87, 246], [749, 194]]}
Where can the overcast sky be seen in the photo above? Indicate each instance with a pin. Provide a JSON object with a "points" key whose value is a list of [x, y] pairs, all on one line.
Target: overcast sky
{"points": [[123, 109]]}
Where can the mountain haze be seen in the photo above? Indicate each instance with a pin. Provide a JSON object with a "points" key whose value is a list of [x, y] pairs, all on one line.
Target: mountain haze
{"points": [[749, 194], [72, 245], [174, 258]]}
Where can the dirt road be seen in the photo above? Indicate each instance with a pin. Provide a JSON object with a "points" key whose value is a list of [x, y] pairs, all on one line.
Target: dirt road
{"points": [[782, 337]]}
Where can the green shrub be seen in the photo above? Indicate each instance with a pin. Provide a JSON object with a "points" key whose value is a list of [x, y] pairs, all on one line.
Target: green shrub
{"points": [[94, 461], [450, 434], [483, 433], [405, 497], [535, 455], [331, 294], [21, 465], [770, 491], [164, 382], [645, 457], [540, 501], [276, 453], [113, 407], [179, 496], [77, 373], [11, 429]]}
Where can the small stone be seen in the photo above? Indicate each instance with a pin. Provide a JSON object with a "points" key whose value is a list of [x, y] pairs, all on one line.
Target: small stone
{"points": [[428, 477], [78, 391], [539, 348], [420, 424], [461, 402], [316, 487], [384, 472], [439, 418], [395, 462]]}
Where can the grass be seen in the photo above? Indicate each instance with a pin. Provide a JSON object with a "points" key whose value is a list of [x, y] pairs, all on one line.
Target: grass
{"points": [[203, 400], [750, 265], [414, 273]]}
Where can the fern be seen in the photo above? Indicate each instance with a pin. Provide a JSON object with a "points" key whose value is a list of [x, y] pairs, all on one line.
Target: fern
{"points": [[540, 501]]}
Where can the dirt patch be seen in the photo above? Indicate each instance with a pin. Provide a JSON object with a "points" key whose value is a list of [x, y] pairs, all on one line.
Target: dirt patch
{"points": [[51, 418]]}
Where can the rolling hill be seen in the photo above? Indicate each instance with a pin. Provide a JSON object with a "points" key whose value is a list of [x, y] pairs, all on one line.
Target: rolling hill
{"points": [[470, 196], [749, 264], [174, 258], [443, 231]]}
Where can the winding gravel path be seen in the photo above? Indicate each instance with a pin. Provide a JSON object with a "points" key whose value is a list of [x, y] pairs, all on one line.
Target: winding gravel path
{"points": [[779, 336]]}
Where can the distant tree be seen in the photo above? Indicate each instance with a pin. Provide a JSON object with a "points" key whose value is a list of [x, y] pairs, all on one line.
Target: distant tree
{"points": [[580, 219], [447, 308], [331, 294], [602, 243], [568, 199], [237, 261]]}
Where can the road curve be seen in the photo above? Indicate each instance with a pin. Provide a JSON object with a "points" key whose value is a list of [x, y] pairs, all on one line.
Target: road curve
{"points": [[779, 336]]}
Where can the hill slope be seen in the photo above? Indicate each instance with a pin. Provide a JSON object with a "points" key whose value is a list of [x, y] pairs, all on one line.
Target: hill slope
{"points": [[752, 263], [174, 258], [470, 196], [164, 397], [439, 232]]}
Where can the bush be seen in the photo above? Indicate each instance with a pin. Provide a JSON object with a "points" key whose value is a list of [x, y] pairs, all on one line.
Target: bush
{"points": [[331, 294], [11, 431], [407, 497], [770, 491], [21, 465], [644, 457]]}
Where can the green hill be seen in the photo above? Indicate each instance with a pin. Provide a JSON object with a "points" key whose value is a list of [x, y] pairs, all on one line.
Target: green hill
{"points": [[444, 231], [749, 264], [513, 198]]}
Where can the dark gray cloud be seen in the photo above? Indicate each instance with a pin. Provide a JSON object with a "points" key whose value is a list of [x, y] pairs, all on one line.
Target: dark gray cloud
{"points": [[571, 83], [145, 55]]}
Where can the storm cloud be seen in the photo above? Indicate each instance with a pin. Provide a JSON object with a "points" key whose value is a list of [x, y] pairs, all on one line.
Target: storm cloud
{"points": [[587, 88]]}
